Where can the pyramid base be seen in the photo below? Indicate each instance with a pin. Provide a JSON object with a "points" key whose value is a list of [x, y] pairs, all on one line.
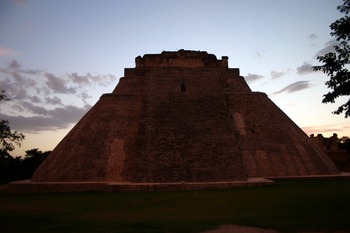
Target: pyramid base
{"points": [[28, 187], [341, 176]]}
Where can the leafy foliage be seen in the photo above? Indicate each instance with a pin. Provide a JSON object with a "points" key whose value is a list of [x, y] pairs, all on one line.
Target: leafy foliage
{"points": [[7, 137], [17, 168], [3, 96], [334, 63]]}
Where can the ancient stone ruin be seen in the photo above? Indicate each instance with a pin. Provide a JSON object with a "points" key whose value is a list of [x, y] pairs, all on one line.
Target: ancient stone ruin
{"points": [[179, 118], [340, 157]]}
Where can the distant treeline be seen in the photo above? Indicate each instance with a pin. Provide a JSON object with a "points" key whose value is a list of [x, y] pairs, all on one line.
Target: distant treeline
{"points": [[20, 168]]}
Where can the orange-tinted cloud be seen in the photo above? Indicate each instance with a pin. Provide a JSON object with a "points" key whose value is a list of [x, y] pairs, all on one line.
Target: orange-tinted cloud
{"points": [[326, 129], [22, 3], [7, 52]]}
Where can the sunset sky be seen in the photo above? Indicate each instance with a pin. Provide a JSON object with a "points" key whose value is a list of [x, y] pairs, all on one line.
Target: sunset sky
{"points": [[58, 57]]}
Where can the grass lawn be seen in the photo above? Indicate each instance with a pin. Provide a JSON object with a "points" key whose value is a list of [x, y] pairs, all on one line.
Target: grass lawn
{"points": [[288, 206]]}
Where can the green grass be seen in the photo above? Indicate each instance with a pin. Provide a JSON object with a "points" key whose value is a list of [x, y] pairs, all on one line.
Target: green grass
{"points": [[289, 206]]}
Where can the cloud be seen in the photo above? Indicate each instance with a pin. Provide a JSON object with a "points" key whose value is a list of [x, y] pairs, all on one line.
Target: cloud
{"points": [[329, 47], [106, 79], [259, 54], [37, 96], [85, 96], [294, 87], [253, 77], [54, 101], [35, 99], [324, 129], [58, 85], [312, 37], [21, 94], [276, 75], [33, 108], [89, 79], [22, 3], [80, 79], [15, 78], [4, 52], [17, 108], [14, 65], [305, 68], [58, 118]]}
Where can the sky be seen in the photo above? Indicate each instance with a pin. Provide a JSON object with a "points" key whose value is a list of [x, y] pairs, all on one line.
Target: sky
{"points": [[57, 57]]}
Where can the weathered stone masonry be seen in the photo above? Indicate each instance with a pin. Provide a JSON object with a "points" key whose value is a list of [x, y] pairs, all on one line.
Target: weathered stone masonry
{"points": [[183, 117]]}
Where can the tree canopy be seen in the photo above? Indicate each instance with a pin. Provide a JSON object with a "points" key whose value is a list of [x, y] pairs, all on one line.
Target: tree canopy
{"points": [[7, 137], [335, 63]]}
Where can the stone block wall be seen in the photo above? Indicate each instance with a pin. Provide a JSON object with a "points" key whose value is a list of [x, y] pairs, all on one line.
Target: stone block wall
{"points": [[185, 135], [330, 146], [271, 144], [101, 147]]}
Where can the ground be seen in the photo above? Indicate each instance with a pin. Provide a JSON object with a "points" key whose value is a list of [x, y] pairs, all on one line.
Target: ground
{"points": [[243, 229]]}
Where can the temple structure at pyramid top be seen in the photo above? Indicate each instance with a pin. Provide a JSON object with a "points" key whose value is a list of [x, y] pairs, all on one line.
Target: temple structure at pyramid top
{"points": [[180, 117], [181, 58]]}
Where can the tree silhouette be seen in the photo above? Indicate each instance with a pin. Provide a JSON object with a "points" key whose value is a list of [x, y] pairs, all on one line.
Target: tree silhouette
{"points": [[335, 62], [7, 137]]}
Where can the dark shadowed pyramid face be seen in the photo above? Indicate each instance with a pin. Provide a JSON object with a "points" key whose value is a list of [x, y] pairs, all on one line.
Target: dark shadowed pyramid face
{"points": [[183, 117]]}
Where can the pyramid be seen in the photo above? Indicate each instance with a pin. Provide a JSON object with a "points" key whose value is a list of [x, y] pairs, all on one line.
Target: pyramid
{"points": [[183, 116]]}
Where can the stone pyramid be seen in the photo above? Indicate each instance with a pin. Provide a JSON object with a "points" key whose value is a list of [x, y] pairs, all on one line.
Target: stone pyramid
{"points": [[183, 116]]}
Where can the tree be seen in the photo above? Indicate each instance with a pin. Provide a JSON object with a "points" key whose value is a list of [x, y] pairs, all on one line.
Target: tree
{"points": [[37, 154], [334, 63], [10, 168], [344, 139], [20, 168], [344, 143], [7, 137], [32, 161]]}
